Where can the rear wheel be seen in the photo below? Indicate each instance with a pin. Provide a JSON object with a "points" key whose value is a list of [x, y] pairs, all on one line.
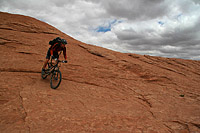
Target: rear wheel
{"points": [[44, 74], [56, 78]]}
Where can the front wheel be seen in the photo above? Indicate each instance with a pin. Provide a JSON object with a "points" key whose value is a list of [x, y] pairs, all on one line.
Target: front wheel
{"points": [[56, 78]]}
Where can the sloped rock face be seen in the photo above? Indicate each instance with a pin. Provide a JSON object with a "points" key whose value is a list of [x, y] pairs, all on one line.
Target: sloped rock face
{"points": [[101, 90]]}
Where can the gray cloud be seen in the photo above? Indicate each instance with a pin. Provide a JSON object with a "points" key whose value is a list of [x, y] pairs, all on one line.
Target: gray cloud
{"points": [[154, 27], [137, 9], [196, 1], [128, 35], [134, 9]]}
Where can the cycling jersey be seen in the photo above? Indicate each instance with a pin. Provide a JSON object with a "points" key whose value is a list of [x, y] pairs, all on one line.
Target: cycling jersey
{"points": [[54, 49]]}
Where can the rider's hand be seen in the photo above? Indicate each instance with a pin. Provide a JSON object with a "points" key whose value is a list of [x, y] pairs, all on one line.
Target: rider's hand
{"points": [[65, 61]]}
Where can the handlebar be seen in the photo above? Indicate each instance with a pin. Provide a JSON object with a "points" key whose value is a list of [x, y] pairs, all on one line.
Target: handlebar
{"points": [[63, 61]]}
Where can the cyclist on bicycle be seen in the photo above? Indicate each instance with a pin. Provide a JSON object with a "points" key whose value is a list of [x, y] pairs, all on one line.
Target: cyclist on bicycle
{"points": [[57, 45]]}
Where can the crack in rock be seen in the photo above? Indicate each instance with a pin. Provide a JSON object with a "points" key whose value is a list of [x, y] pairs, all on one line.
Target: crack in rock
{"points": [[145, 100], [184, 124], [196, 125], [91, 51], [15, 70], [28, 31], [25, 53], [24, 110], [84, 82], [169, 128]]}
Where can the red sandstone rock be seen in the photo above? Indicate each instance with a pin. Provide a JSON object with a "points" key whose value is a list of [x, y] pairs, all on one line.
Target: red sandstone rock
{"points": [[101, 90]]}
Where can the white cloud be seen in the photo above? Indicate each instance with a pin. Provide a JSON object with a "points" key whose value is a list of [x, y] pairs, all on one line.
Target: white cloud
{"points": [[155, 27]]}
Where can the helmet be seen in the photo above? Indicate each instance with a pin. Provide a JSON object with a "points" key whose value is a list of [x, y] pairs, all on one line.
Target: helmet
{"points": [[58, 39], [63, 41]]}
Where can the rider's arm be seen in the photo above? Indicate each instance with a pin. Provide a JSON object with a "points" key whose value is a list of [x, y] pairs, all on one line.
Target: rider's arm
{"points": [[51, 51], [64, 53]]}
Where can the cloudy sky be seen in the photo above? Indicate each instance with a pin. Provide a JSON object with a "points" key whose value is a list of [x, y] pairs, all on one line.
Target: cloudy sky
{"points": [[167, 28]]}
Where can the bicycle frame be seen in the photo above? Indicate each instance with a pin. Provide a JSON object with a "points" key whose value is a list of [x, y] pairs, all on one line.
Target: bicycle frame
{"points": [[53, 70], [52, 67]]}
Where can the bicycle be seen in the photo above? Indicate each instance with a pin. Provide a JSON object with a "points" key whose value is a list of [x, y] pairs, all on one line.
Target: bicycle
{"points": [[53, 70]]}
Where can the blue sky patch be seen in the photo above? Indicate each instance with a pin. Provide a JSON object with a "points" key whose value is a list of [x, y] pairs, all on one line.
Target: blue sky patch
{"points": [[161, 23], [178, 17], [107, 27], [103, 29]]}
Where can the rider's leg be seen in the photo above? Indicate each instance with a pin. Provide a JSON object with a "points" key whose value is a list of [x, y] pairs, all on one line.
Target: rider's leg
{"points": [[47, 59], [45, 64]]}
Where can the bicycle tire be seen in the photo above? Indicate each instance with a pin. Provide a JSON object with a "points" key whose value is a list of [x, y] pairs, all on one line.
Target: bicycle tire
{"points": [[44, 76], [52, 80]]}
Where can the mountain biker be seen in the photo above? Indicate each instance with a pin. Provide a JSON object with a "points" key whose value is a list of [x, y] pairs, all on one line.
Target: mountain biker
{"points": [[57, 45]]}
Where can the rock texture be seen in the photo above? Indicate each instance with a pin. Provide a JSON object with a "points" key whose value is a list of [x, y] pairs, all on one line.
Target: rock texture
{"points": [[101, 90]]}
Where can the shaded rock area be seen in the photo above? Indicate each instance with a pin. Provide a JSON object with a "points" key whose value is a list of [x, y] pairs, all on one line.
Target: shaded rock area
{"points": [[101, 90]]}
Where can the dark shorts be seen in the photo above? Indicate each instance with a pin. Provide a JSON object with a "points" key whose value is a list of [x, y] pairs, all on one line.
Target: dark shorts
{"points": [[55, 54]]}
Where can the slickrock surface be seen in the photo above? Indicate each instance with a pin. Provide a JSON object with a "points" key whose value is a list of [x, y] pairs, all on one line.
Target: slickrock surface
{"points": [[101, 90]]}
